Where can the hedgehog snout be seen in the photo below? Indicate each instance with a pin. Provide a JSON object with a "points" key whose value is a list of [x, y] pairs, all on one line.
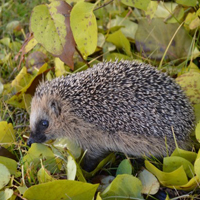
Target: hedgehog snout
{"points": [[30, 141], [36, 138]]}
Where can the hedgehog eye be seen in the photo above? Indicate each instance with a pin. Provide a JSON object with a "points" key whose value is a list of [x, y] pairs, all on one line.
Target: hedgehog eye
{"points": [[44, 123]]}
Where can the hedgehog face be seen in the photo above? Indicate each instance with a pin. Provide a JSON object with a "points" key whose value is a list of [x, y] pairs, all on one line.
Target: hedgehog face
{"points": [[44, 119]]}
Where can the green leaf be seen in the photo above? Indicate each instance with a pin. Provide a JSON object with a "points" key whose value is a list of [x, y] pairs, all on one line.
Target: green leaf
{"points": [[84, 27], [124, 167], [197, 165], [61, 190], [187, 3], [170, 164], [4, 176], [129, 28], [40, 151], [123, 187], [177, 177], [188, 155], [150, 184], [44, 176], [48, 27], [197, 132], [6, 194], [120, 41], [7, 134], [63, 143], [141, 4], [10, 164]]}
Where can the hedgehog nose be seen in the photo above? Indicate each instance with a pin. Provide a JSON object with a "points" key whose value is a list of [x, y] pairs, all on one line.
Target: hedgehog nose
{"points": [[30, 141]]}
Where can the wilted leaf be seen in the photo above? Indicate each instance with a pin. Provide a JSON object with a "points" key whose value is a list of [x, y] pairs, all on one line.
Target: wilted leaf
{"points": [[126, 186], [4, 176], [28, 44], [197, 112], [124, 167], [150, 184], [188, 155], [192, 20], [44, 175], [5, 153], [141, 4], [84, 27], [40, 151], [36, 59], [51, 27], [177, 177], [61, 190], [21, 80], [191, 85], [151, 9], [171, 164], [13, 26], [6, 194], [10, 164], [6, 133], [153, 38], [120, 41], [23, 98]]}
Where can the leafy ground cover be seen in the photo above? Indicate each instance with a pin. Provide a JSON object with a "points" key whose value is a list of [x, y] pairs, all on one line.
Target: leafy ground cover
{"points": [[46, 39]]}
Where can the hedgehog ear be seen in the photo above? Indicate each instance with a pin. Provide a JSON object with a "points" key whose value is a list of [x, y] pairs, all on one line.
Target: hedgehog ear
{"points": [[55, 107]]}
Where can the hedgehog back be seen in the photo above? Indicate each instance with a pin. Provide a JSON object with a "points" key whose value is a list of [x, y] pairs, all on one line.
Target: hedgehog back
{"points": [[130, 97]]}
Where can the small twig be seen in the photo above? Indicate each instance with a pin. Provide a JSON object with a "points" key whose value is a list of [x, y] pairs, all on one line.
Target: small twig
{"points": [[15, 193], [105, 4], [82, 57]]}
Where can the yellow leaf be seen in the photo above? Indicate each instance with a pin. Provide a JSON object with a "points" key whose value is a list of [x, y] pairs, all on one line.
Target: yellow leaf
{"points": [[177, 177], [6, 133]]}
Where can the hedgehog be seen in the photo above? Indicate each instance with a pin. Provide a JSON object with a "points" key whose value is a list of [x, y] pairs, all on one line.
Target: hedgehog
{"points": [[124, 106]]}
